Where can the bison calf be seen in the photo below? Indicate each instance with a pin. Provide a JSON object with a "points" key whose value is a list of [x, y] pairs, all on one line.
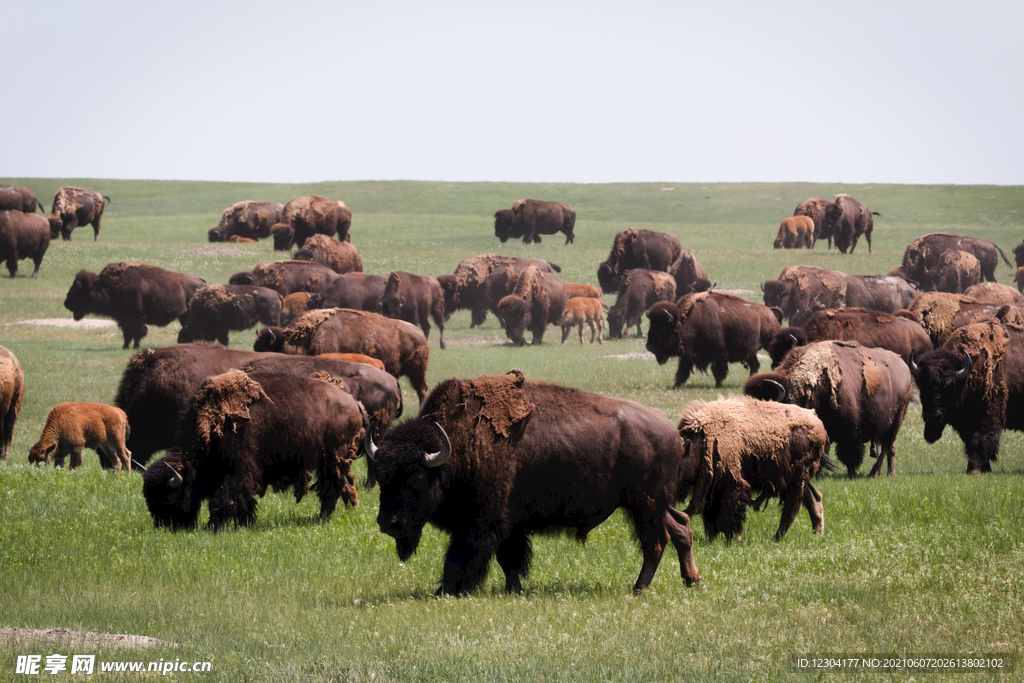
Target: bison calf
{"points": [[580, 311], [70, 427]]}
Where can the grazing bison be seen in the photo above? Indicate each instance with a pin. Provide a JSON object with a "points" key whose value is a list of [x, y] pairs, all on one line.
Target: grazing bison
{"points": [[815, 210], [283, 236], [580, 311], [399, 345], [496, 459], [941, 313], [12, 389], [847, 219], [216, 309], [531, 218], [799, 291], [74, 206], [244, 433], [287, 277], [955, 272], [736, 445], [537, 301], [18, 198], [795, 232], [639, 289], [415, 299], [859, 393], [924, 253], [72, 427], [470, 287], [901, 335], [689, 274], [975, 384], [341, 257], [134, 295], [885, 293], [352, 290], [314, 215], [709, 329], [250, 219], [23, 235], [634, 248]]}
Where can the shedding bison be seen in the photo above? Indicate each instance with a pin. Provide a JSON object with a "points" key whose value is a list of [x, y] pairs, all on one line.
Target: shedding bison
{"points": [[496, 459]]}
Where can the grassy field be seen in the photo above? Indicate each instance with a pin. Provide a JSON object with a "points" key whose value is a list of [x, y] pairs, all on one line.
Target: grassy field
{"points": [[926, 563]]}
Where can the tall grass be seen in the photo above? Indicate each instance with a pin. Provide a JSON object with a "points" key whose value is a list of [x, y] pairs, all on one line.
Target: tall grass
{"points": [[926, 562]]}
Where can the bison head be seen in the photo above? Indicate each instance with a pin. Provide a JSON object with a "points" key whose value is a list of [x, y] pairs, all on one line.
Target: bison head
{"points": [[40, 453], [769, 386], [776, 294], [784, 341], [407, 464], [169, 488], [662, 332], [941, 376], [269, 339], [515, 313], [503, 224], [80, 298], [608, 277], [215, 234], [283, 236]]}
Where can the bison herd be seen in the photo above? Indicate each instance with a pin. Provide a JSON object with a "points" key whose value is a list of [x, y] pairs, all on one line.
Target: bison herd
{"points": [[495, 459]]}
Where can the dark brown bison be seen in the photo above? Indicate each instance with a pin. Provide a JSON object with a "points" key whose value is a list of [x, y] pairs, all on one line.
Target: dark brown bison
{"points": [[295, 305], [314, 215], [283, 236], [924, 253], [885, 293], [341, 257], [471, 286], [531, 218], [75, 206], [399, 345], [799, 291], [689, 274], [23, 235], [639, 289], [897, 333], [134, 295], [975, 384], [215, 310], [352, 290], [634, 248], [245, 433], [709, 329], [859, 393], [795, 232], [537, 301], [18, 198], [847, 219], [250, 219], [12, 389], [415, 299], [942, 313], [736, 445], [496, 459], [814, 209], [956, 272], [287, 277]]}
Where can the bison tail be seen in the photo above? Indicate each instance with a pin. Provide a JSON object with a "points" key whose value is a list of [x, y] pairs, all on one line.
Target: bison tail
{"points": [[875, 213], [107, 199], [1005, 260], [558, 269], [827, 464]]}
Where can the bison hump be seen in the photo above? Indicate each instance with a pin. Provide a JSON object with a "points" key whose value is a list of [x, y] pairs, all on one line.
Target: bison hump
{"points": [[502, 400], [224, 399]]}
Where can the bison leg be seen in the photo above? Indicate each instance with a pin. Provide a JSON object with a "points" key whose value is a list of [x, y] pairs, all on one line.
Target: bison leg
{"points": [[851, 454], [727, 508], [791, 501], [233, 500], [67, 228], [566, 329], [514, 555], [650, 530], [76, 456], [12, 265], [678, 526], [466, 563], [720, 370], [683, 372], [981, 449], [812, 499]]}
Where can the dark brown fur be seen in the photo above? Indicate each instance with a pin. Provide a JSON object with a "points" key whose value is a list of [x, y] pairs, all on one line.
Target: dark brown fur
{"points": [[216, 309], [815, 210], [251, 219], [537, 301], [75, 206], [415, 299], [847, 219], [341, 257], [532, 218], [924, 253], [312, 215], [639, 289], [633, 248], [18, 198], [22, 236], [799, 291], [287, 277]]}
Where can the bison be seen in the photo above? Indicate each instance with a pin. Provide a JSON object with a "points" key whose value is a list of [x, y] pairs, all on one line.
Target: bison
{"points": [[814, 209], [924, 253], [994, 293], [885, 293], [12, 389], [574, 289], [736, 445], [709, 329], [287, 277], [941, 313], [799, 291], [18, 198], [71, 427], [634, 248], [847, 219], [341, 257], [312, 215], [134, 295], [415, 299], [283, 236], [75, 206], [250, 219], [689, 274], [795, 232], [471, 285], [639, 289], [295, 305], [955, 272], [531, 218], [580, 311], [860, 394], [216, 309], [537, 301], [352, 290], [244, 433], [496, 459], [23, 235]]}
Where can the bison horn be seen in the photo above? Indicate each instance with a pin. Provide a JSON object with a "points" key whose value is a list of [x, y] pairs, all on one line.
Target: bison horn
{"points": [[176, 481], [273, 337], [762, 287], [968, 364], [796, 342], [368, 445], [441, 457], [138, 465], [781, 395], [915, 369]]}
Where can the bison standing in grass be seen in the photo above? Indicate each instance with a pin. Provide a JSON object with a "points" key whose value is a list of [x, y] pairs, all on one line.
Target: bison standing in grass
{"points": [[639, 289], [12, 389], [925, 251], [217, 309], [633, 248], [415, 299], [18, 198], [75, 206], [537, 301], [580, 311], [847, 219], [496, 459], [531, 218], [472, 286], [795, 232], [312, 215], [814, 209], [22, 236], [799, 291], [72, 427]]}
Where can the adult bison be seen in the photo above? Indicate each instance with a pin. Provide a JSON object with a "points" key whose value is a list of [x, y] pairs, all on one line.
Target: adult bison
{"points": [[313, 215], [639, 289], [245, 433], [399, 345], [736, 445], [885, 293], [134, 295], [995, 293], [975, 384], [847, 219], [799, 291], [215, 310], [814, 209], [925, 251], [941, 313], [12, 389], [23, 235], [472, 287], [689, 274], [287, 277], [709, 329], [415, 299], [75, 206], [341, 257], [250, 219], [531, 218], [18, 198], [859, 393], [634, 248], [496, 459], [956, 272], [352, 290], [537, 301], [795, 232]]}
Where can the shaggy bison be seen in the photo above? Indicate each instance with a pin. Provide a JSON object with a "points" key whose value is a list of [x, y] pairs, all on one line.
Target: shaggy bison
{"points": [[18, 198], [924, 253], [75, 206], [23, 235], [216, 309], [531, 218], [847, 219], [634, 248], [72, 427], [537, 301], [689, 274], [287, 277], [341, 257], [472, 286], [799, 291], [639, 289], [312, 215], [415, 299], [814, 209], [12, 389], [249, 219]]}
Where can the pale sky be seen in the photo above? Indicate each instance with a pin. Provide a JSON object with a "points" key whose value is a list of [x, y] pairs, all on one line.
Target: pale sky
{"points": [[852, 91]]}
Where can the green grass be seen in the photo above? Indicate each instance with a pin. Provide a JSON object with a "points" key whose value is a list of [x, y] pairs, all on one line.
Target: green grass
{"points": [[928, 562]]}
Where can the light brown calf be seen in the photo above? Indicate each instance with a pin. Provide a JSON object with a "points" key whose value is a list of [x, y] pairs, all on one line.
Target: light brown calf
{"points": [[581, 310], [70, 427], [355, 358]]}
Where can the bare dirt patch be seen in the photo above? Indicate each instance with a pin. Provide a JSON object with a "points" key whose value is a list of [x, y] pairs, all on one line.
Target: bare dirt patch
{"points": [[67, 322], [481, 340], [644, 355], [216, 251], [83, 639]]}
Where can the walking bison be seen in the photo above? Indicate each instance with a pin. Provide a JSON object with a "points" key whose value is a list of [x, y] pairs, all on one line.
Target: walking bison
{"points": [[537, 301], [215, 310], [531, 218], [847, 219], [75, 206], [639, 289], [633, 248], [415, 299], [23, 235]]}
